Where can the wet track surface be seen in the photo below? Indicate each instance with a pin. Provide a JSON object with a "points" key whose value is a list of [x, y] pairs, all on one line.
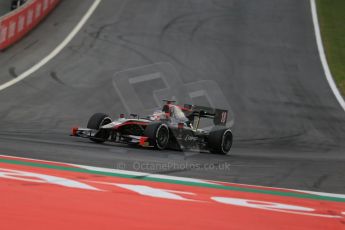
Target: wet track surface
{"points": [[4, 7], [257, 58]]}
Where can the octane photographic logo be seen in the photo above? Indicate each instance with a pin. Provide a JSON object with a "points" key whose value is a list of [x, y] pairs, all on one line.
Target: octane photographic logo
{"points": [[142, 90], [174, 166]]}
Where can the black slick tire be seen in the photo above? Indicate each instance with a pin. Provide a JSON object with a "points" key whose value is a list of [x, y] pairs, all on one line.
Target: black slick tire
{"points": [[95, 122], [158, 134], [220, 140]]}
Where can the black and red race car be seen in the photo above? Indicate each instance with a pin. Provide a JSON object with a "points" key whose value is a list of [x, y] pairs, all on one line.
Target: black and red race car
{"points": [[173, 127]]}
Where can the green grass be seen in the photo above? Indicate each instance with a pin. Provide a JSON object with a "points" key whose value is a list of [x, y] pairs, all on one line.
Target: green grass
{"points": [[332, 22]]}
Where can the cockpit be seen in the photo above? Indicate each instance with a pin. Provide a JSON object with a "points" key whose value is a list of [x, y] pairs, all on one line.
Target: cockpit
{"points": [[172, 112]]}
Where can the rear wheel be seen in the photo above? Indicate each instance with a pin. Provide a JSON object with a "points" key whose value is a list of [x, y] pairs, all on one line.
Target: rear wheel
{"points": [[159, 135], [96, 122], [220, 140]]}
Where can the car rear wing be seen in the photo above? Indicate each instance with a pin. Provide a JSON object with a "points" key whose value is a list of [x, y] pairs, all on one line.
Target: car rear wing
{"points": [[219, 116]]}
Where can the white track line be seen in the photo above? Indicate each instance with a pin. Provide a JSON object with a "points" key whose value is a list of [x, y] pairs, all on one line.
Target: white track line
{"points": [[57, 50], [323, 56]]}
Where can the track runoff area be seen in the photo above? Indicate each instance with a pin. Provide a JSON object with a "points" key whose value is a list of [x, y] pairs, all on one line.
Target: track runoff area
{"points": [[38, 194]]}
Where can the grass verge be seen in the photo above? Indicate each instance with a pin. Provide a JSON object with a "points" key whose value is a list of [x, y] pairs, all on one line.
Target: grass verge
{"points": [[332, 24]]}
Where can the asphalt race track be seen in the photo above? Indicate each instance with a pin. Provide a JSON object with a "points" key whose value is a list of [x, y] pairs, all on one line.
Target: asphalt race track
{"points": [[257, 58], [4, 7]]}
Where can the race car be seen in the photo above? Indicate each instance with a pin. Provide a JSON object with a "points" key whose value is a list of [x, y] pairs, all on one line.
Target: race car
{"points": [[174, 127]]}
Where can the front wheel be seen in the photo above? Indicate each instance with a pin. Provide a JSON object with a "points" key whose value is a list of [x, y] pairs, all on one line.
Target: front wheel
{"points": [[159, 135], [96, 121], [220, 140]]}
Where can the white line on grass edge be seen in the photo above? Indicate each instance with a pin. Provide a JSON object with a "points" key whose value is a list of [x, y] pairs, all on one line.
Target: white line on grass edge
{"points": [[57, 50], [323, 56]]}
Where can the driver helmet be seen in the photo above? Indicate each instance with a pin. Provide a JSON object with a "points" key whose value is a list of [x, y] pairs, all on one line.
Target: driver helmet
{"points": [[157, 115]]}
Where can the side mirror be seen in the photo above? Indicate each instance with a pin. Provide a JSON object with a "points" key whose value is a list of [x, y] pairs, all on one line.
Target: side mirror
{"points": [[202, 113], [134, 115]]}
